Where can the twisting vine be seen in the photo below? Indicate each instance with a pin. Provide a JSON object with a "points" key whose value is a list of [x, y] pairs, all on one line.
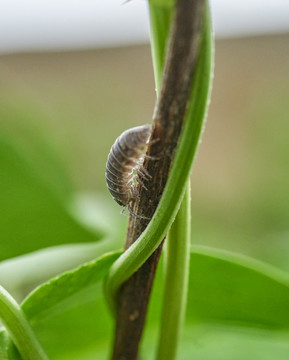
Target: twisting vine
{"points": [[172, 196], [169, 204]]}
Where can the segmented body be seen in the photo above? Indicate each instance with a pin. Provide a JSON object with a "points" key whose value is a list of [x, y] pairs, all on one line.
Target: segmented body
{"points": [[124, 164]]}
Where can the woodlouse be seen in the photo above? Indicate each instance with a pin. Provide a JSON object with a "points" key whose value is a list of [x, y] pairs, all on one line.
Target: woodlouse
{"points": [[124, 164]]}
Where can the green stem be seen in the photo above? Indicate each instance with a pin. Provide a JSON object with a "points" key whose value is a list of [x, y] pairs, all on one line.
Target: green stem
{"points": [[160, 20], [178, 241], [19, 328], [171, 199], [176, 281]]}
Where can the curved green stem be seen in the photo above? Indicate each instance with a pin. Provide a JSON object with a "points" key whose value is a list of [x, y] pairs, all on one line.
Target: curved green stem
{"points": [[169, 204], [19, 328], [176, 281], [160, 20]]}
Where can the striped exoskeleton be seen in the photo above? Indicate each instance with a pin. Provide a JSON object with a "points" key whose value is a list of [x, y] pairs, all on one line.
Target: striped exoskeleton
{"points": [[124, 170]]}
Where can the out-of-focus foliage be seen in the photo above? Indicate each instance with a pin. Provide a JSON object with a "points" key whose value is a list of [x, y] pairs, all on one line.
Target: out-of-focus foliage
{"points": [[237, 309], [49, 297], [71, 320], [88, 98], [32, 215]]}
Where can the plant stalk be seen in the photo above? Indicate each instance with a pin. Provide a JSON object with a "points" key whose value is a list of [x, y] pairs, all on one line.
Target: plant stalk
{"points": [[168, 120], [19, 328], [176, 281]]}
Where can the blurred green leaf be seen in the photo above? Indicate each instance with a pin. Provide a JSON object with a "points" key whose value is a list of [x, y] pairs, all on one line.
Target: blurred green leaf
{"points": [[32, 216], [228, 289], [225, 343], [68, 313], [60, 293], [72, 321], [229, 343], [79, 332], [233, 289], [22, 127]]}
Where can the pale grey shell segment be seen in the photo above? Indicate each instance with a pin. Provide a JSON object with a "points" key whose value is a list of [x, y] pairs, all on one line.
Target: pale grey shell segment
{"points": [[124, 157]]}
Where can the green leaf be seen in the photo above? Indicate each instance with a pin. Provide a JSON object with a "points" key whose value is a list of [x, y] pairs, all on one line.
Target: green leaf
{"points": [[72, 321], [69, 314], [226, 343], [80, 332], [61, 292], [232, 289], [229, 343], [32, 215], [234, 302], [22, 127]]}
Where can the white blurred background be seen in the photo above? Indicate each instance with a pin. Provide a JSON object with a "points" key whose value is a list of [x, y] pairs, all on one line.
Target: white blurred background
{"points": [[80, 24]]}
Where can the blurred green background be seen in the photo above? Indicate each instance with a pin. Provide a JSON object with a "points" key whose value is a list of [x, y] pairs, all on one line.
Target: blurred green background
{"points": [[59, 115], [79, 102]]}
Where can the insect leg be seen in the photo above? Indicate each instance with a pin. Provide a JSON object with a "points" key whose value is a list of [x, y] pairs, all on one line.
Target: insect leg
{"points": [[136, 215], [141, 175], [145, 172], [151, 157]]}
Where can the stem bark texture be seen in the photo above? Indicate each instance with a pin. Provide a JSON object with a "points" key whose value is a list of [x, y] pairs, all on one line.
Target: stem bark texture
{"points": [[168, 120]]}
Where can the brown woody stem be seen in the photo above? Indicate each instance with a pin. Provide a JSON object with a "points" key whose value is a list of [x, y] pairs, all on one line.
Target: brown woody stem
{"points": [[168, 119]]}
